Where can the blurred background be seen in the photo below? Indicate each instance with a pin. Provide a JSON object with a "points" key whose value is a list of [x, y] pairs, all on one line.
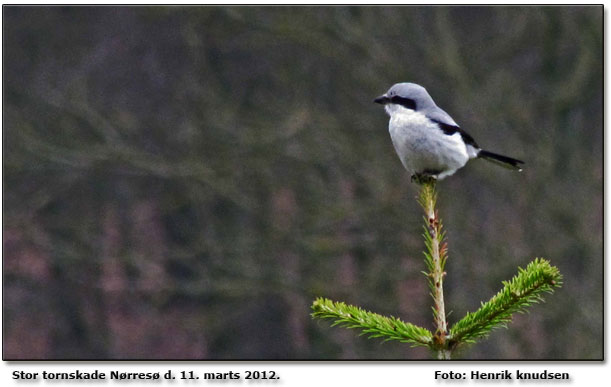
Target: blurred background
{"points": [[182, 182]]}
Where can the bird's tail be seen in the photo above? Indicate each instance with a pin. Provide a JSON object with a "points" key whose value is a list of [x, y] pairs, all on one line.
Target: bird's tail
{"points": [[501, 160]]}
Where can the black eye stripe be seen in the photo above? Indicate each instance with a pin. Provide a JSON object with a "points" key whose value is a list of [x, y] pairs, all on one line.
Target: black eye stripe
{"points": [[405, 102]]}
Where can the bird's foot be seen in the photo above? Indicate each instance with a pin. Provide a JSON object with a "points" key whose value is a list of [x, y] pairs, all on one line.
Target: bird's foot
{"points": [[423, 178]]}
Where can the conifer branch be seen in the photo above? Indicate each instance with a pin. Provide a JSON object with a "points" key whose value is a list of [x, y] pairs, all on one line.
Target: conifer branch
{"points": [[524, 289], [435, 257], [372, 324]]}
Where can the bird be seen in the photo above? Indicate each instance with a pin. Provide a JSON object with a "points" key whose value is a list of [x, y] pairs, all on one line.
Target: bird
{"points": [[429, 143]]}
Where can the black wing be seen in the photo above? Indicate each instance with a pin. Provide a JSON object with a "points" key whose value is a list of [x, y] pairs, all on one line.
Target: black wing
{"points": [[451, 129]]}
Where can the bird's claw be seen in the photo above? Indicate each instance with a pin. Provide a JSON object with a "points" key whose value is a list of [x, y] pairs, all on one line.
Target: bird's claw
{"points": [[423, 178]]}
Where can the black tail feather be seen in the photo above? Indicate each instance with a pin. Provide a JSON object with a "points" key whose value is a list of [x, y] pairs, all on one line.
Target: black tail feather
{"points": [[501, 160]]}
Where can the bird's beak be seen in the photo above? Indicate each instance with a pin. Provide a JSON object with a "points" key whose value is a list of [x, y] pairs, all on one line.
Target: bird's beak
{"points": [[382, 100]]}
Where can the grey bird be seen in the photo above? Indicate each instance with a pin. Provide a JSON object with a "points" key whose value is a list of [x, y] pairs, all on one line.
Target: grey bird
{"points": [[428, 141]]}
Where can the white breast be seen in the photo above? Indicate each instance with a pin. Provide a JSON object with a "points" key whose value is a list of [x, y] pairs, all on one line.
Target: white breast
{"points": [[422, 146]]}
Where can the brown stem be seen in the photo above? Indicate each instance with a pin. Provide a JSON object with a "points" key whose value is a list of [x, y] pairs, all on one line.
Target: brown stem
{"points": [[428, 200]]}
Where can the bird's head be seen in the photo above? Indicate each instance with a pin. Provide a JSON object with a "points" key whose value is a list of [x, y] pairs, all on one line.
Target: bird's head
{"points": [[405, 95]]}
